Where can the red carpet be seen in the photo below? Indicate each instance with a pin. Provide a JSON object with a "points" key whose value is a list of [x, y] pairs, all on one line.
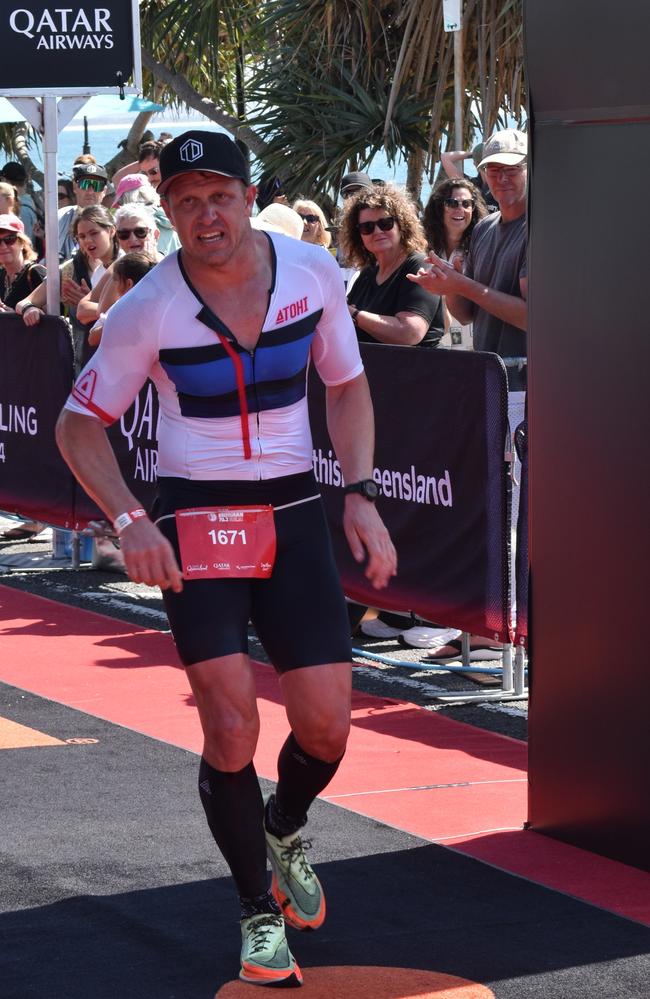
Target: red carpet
{"points": [[407, 767]]}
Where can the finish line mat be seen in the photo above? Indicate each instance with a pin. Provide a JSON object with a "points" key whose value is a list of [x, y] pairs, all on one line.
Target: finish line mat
{"points": [[111, 887]]}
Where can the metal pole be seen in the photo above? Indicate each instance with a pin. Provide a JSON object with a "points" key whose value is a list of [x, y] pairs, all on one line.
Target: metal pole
{"points": [[459, 87], [86, 148], [50, 149]]}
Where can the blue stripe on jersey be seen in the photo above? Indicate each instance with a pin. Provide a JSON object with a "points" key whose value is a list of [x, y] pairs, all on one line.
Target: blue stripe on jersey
{"points": [[261, 396]]}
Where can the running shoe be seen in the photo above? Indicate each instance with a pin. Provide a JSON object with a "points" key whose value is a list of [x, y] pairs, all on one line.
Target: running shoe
{"points": [[295, 887], [265, 955]]}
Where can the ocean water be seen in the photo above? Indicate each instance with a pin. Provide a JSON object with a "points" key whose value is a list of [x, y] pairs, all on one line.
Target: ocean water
{"points": [[104, 136]]}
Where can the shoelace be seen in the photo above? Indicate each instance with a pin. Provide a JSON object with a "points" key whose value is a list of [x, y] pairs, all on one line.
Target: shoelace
{"points": [[295, 853], [261, 930]]}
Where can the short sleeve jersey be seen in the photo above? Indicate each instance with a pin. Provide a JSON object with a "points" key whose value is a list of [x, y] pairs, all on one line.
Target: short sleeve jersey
{"points": [[398, 294], [225, 412], [497, 259]]}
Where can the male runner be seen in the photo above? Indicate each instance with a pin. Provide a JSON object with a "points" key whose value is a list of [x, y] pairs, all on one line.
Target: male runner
{"points": [[226, 328]]}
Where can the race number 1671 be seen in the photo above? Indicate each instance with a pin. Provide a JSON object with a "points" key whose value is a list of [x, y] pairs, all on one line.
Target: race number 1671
{"points": [[227, 537]]}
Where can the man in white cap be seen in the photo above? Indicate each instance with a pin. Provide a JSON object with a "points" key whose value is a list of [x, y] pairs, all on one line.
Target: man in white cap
{"points": [[491, 290], [227, 328]]}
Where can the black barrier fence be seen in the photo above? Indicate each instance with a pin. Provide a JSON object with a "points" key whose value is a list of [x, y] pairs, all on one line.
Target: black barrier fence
{"points": [[441, 425], [521, 555], [36, 373]]}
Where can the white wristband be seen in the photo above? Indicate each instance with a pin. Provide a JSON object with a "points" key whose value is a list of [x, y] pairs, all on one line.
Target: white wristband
{"points": [[124, 519]]}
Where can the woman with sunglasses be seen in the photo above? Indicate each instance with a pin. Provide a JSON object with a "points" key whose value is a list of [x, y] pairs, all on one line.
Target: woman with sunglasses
{"points": [[314, 223], [136, 232], [380, 233], [19, 274], [452, 211]]}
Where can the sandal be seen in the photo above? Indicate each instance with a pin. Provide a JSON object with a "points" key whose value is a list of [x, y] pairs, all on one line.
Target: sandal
{"points": [[453, 652], [20, 533]]}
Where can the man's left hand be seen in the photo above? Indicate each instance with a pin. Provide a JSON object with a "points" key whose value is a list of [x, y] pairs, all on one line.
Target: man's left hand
{"points": [[367, 535], [440, 277]]}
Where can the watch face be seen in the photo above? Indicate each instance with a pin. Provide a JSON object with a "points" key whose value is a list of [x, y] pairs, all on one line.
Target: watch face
{"points": [[370, 489]]}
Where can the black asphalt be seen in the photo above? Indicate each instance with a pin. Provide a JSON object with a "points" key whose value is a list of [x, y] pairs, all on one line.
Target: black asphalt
{"points": [[111, 888]]}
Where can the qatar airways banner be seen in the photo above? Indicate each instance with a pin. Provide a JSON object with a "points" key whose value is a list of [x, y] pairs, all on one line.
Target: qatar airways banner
{"points": [[441, 422], [55, 47]]}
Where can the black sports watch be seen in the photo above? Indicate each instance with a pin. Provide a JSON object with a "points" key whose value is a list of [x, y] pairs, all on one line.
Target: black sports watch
{"points": [[367, 487]]}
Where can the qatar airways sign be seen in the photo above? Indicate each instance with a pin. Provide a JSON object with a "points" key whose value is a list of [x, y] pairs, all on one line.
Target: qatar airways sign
{"points": [[56, 47]]}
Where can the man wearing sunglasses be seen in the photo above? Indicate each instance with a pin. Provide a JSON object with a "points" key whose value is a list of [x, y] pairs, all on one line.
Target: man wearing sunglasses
{"points": [[89, 182]]}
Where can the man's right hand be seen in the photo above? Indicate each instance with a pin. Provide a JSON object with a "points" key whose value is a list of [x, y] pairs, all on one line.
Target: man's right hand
{"points": [[148, 556]]}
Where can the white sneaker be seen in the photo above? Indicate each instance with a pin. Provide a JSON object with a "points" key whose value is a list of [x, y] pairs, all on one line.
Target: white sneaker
{"points": [[421, 637], [376, 628]]}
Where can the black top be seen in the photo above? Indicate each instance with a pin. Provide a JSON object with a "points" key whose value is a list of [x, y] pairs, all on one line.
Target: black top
{"points": [[398, 294], [29, 278]]}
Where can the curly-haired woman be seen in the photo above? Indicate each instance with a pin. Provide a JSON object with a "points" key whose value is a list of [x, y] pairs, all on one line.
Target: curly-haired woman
{"points": [[381, 233]]}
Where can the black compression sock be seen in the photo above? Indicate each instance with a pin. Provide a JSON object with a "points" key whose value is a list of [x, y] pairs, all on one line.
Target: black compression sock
{"points": [[259, 905], [300, 778], [235, 812]]}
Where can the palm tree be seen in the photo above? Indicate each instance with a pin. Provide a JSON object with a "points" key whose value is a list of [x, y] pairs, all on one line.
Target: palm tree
{"points": [[317, 87]]}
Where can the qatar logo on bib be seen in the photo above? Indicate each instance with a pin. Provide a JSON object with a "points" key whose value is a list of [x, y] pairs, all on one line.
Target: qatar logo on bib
{"points": [[191, 150]]}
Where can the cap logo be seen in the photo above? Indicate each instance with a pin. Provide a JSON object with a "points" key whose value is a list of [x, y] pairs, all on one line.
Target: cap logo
{"points": [[191, 150]]}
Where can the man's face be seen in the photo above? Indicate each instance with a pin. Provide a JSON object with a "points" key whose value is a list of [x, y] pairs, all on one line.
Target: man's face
{"points": [[89, 191], [151, 167], [507, 183], [211, 215]]}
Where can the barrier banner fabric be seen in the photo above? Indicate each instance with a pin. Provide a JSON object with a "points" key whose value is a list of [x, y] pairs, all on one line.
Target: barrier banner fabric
{"points": [[521, 557], [441, 425], [35, 379]]}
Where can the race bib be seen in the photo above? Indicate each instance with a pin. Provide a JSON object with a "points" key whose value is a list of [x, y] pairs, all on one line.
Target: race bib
{"points": [[226, 542]]}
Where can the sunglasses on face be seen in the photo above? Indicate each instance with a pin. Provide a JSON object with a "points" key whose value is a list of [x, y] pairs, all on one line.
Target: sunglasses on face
{"points": [[91, 184], [10, 239], [311, 219], [458, 202], [367, 228], [139, 232], [508, 171]]}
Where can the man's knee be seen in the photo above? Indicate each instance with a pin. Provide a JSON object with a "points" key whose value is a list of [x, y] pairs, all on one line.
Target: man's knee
{"points": [[230, 741], [324, 737]]}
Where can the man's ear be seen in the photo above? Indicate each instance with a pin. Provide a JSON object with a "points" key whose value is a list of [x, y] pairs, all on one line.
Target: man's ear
{"points": [[251, 193], [167, 210]]}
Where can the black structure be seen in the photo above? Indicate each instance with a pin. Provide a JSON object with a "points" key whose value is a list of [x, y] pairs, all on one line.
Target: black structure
{"points": [[589, 355]]}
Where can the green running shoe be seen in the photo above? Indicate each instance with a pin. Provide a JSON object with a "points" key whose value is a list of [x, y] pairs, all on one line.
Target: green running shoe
{"points": [[265, 955], [295, 887]]}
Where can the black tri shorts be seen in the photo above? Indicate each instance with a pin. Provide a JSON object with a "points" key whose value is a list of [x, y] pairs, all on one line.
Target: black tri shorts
{"points": [[299, 613]]}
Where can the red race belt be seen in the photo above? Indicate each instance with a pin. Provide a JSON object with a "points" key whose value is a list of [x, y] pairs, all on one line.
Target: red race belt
{"points": [[226, 542]]}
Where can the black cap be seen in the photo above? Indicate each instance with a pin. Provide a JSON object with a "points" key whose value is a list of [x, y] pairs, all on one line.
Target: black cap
{"points": [[209, 152], [352, 181], [82, 170]]}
